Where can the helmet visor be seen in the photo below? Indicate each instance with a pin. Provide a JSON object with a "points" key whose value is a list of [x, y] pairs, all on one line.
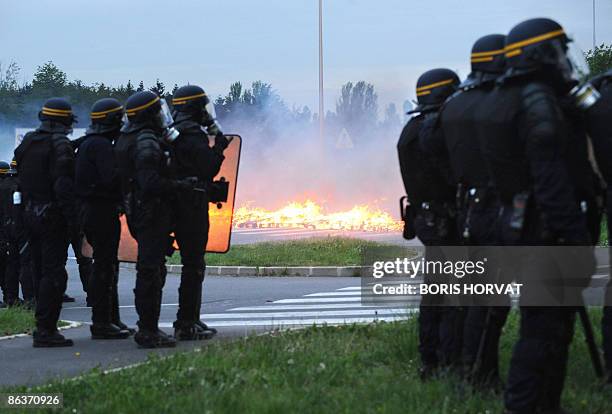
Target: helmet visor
{"points": [[571, 61], [580, 67], [165, 115]]}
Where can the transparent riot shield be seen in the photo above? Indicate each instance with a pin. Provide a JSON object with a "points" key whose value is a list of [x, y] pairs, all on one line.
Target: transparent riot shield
{"points": [[221, 212]]}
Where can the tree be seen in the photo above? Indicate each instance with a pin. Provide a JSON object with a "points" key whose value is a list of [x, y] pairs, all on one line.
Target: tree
{"points": [[357, 108], [8, 77], [129, 88], [599, 59], [49, 80], [392, 121], [140, 87], [159, 88]]}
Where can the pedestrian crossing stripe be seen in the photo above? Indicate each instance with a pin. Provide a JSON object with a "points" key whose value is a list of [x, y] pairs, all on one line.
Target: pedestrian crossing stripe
{"points": [[342, 306]]}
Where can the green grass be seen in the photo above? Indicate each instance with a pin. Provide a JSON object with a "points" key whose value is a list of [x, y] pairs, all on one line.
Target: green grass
{"points": [[362, 369], [330, 251], [16, 320], [603, 235]]}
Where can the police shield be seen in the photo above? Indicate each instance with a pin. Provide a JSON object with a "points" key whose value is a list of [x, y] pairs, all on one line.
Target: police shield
{"points": [[221, 208]]}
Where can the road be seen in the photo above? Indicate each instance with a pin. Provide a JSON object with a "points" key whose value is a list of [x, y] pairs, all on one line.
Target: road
{"points": [[237, 306]]}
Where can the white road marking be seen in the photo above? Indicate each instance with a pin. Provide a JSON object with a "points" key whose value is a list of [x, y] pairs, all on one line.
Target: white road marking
{"points": [[334, 300], [304, 307]]}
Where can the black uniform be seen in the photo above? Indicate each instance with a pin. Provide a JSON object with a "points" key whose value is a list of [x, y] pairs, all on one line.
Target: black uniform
{"points": [[45, 164], [9, 276], [455, 134], [430, 191], [600, 131], [143, 161], [193, 157], [99, 194], [526, 151], [97, 188]]}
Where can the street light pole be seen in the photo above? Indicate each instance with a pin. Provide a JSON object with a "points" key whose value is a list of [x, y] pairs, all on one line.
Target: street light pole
{"points": [[321, 104], [594, 41]]}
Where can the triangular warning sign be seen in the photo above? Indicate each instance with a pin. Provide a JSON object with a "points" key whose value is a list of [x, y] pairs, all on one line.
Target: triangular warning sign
{"points": [[344, 140]]}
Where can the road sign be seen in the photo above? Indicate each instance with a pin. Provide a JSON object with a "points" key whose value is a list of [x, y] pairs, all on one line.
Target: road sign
{"points": [[344, 140]]}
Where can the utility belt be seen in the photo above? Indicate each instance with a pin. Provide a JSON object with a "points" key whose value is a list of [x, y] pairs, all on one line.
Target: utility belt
{"points": [[471, 199], [40, 208], [433, 214]]}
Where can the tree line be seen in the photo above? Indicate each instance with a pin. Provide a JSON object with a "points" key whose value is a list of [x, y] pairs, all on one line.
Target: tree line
{"points": [[256, 110]]}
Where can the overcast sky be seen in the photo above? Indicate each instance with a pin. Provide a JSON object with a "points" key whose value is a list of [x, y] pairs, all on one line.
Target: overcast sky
{"points": [[213, 43]]}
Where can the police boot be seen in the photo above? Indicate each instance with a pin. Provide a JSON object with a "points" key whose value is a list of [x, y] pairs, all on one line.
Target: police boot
{"points": [[151, 339], [108, 331], [50, 339], [188, 331], [124, 327], [206, 328]]}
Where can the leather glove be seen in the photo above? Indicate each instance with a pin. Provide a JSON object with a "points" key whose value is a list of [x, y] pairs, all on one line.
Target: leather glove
{"points": [[221, 142]]}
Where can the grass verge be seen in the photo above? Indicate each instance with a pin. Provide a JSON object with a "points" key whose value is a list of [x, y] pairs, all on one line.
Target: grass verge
{"points": [[18, 320], [330, 251], [362, 369]]}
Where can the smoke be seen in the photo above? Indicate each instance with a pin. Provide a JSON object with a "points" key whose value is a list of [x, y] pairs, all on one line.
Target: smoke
{"points": [[286, 161]]}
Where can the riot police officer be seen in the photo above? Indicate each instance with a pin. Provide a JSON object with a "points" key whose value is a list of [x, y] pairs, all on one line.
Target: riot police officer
{"points": [[430, 192], [99, 194], [143, 161], [19, 264], [9, 279], [45, 164], [600, 130], [524, 139], [194, 157], [454, 133]]}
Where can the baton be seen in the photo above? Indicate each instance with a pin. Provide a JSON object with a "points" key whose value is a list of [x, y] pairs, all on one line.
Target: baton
{"points": [[590, 341]]}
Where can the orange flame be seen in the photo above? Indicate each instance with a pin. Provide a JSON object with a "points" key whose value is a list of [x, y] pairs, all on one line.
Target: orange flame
{"points": [[310, 215]]}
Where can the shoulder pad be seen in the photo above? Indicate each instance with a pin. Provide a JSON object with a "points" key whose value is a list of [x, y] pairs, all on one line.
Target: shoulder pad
{"points": [[536, 90]]}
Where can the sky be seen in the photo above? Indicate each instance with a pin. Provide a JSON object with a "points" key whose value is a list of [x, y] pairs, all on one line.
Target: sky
{"points": [[214, 43]]}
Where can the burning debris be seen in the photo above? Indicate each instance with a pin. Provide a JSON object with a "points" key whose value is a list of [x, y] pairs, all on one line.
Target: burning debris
{"points": [[312, 216]]}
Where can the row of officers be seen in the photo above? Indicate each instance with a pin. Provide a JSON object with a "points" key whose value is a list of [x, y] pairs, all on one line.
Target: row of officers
{"points": [[518, 154], [143, 160]]}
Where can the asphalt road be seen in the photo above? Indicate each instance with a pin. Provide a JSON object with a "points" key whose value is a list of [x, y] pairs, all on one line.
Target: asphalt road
{"points": [[236, 306]]}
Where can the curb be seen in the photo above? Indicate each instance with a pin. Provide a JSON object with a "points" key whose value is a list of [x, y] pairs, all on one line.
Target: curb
{"points": [[308, 271], [71, 324]]}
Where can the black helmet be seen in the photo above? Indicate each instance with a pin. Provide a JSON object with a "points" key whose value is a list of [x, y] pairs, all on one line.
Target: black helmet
{"points": [[539, 44], [57, 111], [433, 87], [106, 116], [190, 102], [488, 54], [146, 109], [189, 98], [4, 168], [142, 107]]}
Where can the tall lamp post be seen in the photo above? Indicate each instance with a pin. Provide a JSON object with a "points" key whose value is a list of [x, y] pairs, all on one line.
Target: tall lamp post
{"points": [[321, 103]]}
